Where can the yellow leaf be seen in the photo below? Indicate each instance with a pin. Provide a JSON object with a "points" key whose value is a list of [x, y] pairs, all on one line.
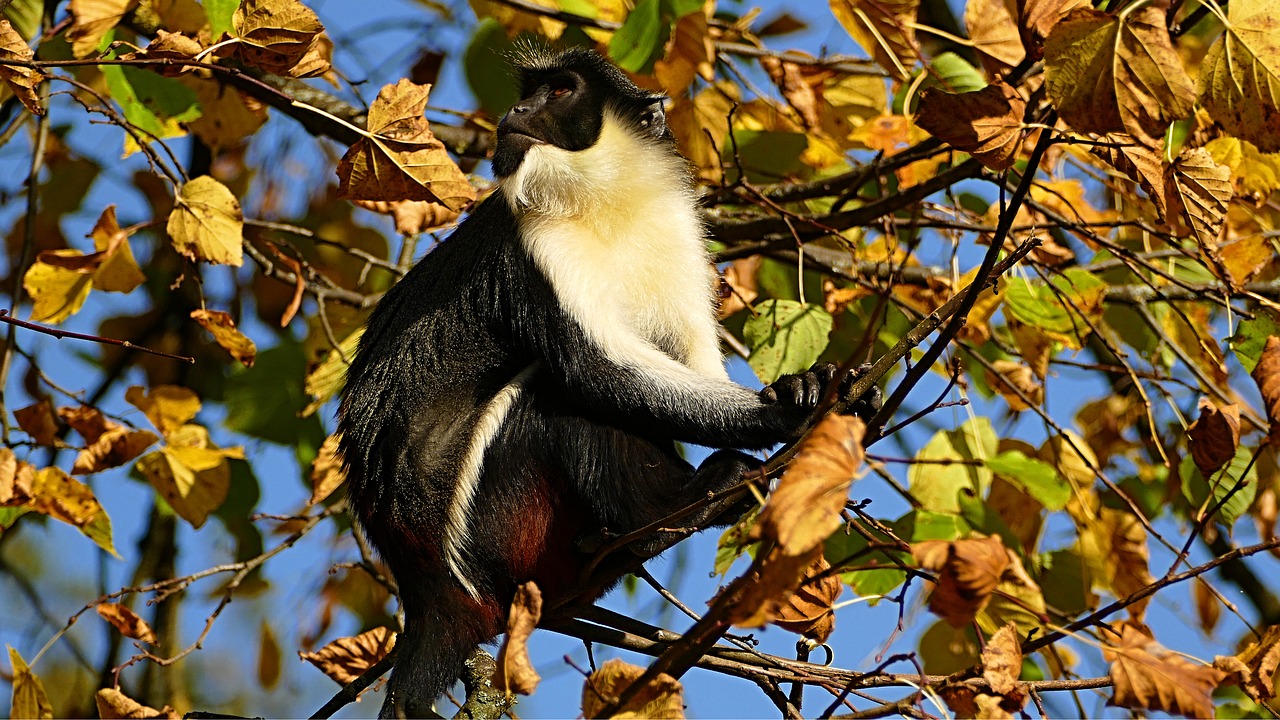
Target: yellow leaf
{"points": [[884, 28], [58, 495], [190, 474], [1254, 173], [700, 125], [21, 80], [662, 698], [325, 379], [93, 20], [168, 407], [1201, 189], [994, 34], [326, 471], [127, 622], [229, 116], [29, 698], [206, 223], [118, 271], [1240, 75], [405, 161], [691, 52], [1109, 73], [57, 292], [346, 659], [227, 335], [516, 22], [113, 705], [113, 448], [514, 671]]}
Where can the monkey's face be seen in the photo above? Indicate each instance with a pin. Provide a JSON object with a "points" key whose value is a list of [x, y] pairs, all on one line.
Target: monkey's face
{"points": [[565, 107]]}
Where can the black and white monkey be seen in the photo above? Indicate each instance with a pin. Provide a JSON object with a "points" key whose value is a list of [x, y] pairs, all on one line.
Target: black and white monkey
{"points": [[525, 384]]}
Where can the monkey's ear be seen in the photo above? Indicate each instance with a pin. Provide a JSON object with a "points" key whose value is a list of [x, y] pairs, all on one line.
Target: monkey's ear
{"points": [[653, 118]]}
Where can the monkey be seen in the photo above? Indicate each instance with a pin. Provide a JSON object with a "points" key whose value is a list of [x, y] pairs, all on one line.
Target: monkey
{"points": [[526, 383]]}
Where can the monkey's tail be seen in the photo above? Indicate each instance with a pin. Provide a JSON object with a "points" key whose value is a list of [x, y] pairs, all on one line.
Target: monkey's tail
{"points": [[442, 628]]}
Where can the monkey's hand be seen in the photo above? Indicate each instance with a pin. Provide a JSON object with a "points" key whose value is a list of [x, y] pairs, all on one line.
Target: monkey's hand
{"points": [[795, 397], [869, 403]]}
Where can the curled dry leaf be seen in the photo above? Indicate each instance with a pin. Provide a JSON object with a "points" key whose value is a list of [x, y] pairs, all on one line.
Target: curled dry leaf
{"points": [[1108, 73], [514, 672], [800, 95], [1037, 18], [986, 124], [662, 698], [413, 217], [969, 571], [206, 223], [172, 46], [113, 448], [16, 479], [1198, 190], [275, 35], [21, 80], [1254, 668], [92, 20], [994, 34], [229, 116], [773, 577], [809, 610], [738, 289], [115, 705], [346, 659], [405, 161], [1240, 75], [127, 622], [1014, 382], [691, 52], [805, 508], [1208, 608], [1267, 375], [884, 28], [1145, 676], [38, 421], [1215, 435], [227, 335], [326, 471], [1002, 661]]}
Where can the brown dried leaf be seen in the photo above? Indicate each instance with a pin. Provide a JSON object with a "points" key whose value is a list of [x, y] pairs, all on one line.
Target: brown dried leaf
{"points": [[168, 407], [87, 421], [171, 45], [738, 286], [663, 698], [799, 94], [986, 124], [514, 672], [227, 335], [1147, 677], [1267, 375], [884, 28], [29, 697], [805, 508], [113, 448], [1129, 559], [229, 116], [127, 622], [1214, 436], [1002, 660], [1008, 377], [809, 610], [206, 222], [1199, 189], [1240, 75], [346, 659], [115, 705], [1117, 74], [326, 471], [268, 657], [316, 61], [1255, 667], [413, 217], [1144, 166], [691, 52], [994, 34], [21, 80], [93, 19], [773, 578], [16, 479], [38, 421], [405, 161], [969, 571], [1037, 18], [275, 35], [1208, 608]]}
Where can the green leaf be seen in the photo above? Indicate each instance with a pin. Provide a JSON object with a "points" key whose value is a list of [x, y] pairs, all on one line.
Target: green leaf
{"points": [[676, 9], [640, 37], [766, 155], [919, 525], [488, 49], [25, 16], [865, 581], [99, 531], [1067, 580], [276, 374], [1056, 308], [956, 74], [10, 515], [785, 337], [1196, 488], [936, 484], [157, 106], [1036, 477], [1251, 337], [220, 13]]}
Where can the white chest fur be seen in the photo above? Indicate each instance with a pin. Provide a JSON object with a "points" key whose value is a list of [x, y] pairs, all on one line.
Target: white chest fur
{"points": [[616, 231]]}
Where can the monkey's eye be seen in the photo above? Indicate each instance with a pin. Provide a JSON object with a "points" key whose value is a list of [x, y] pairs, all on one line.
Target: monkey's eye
{"points": [[560, 92]]}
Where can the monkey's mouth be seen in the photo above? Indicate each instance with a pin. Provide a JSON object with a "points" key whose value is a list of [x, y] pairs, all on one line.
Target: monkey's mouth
{"points": [[523, 140]]}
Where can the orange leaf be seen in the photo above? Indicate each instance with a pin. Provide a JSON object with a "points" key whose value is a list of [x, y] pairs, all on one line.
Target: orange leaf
{"points": [[346, 659], [968, 570], [986, 123], [662, 698], [1147, 677], [113, 705], [127, 622], [1215, 435], [227, 335], [1255, 666], [514, 672], [1267, 375]]}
